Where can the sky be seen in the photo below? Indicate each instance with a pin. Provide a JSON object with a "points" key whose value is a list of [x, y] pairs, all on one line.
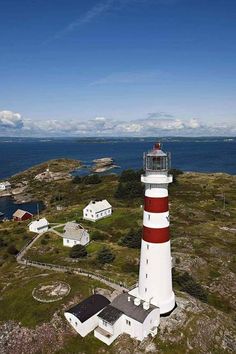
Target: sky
{"points": [[117, 67]]}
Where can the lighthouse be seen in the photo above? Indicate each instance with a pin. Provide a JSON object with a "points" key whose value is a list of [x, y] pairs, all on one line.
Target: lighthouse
{"points": [[155, 276]]}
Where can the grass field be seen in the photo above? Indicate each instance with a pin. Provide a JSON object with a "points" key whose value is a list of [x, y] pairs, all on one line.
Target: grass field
{"points": [[203, 214]]}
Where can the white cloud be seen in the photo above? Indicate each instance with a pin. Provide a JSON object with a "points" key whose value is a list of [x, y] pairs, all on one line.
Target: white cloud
{"points": [[155, 124], [10, 120]]}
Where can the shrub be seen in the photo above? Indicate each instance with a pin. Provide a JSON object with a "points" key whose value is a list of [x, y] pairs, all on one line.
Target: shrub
{"points": [[12, 250], [97, 235], [44, 241], [132, 239], [77, 180], [105, 255], [130, 175], [129, 190], [190, 286], [92, 179], [78, 251]]}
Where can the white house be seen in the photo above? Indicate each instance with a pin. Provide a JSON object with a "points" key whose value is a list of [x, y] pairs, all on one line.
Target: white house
{"points": [[97, 210], [5, 186], [83, 317], [39, 226], [127, 314], [75, 234]]}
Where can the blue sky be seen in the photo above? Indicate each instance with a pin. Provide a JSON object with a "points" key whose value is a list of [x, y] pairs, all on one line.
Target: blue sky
{"points": [[109, 67]]}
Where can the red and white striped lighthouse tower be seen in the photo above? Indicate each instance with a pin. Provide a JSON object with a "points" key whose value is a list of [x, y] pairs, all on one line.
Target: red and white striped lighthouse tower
{"points": [[155, 276]]}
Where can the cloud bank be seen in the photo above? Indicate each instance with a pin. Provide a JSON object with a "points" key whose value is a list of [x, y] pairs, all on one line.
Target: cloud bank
{"points": [[155, 124]]}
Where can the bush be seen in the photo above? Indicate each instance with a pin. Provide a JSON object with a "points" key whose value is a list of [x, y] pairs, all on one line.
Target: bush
{"points": [[189, 285], [92, 179], [78, 251], [77, 180], [44, 241], [129, 185], [132, 239], [12, 250], [105, 255], [130, 175], [129, 190], [97, 235], [3, 243]]}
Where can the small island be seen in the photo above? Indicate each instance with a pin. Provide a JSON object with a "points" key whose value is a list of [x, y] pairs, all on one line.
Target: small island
{"points": [[202, 228], [103, 164]]}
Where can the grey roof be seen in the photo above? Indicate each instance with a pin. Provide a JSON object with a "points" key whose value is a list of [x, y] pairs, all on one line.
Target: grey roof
{"points": [[110, 314], [74, 231], [138, 313], [98, 205], [89, 307]]}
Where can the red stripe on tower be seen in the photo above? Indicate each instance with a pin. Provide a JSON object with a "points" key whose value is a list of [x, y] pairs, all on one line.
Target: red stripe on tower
{"points": [[156, 235], [156, 205]]}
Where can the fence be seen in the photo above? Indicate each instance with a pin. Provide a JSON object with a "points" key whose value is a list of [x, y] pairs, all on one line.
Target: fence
{"points": [[74, 270]]}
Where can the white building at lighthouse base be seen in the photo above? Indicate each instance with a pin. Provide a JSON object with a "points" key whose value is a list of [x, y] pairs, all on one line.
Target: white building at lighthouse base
{"points": [[125, 314]]}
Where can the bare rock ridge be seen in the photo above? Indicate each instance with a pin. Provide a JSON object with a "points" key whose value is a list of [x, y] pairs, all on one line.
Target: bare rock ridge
{"points": [[103, 164]]}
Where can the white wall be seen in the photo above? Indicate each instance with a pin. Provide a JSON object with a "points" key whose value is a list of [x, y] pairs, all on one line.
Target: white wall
{"points": [[90, 214], [114, 330], [152, 320], [82, 328], [155, 277], [70, 243]]}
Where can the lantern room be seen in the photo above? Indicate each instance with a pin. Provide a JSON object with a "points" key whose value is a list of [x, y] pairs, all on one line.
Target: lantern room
{"points": [[156, 160]]}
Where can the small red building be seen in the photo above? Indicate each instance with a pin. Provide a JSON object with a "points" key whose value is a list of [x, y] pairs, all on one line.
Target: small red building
{"points": [[21, 215]]}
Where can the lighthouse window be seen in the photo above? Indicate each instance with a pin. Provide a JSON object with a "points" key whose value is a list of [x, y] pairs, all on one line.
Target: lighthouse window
{"points": [[147, 247], [146, 276], [146, 261], [145, 290], [148, 216]]}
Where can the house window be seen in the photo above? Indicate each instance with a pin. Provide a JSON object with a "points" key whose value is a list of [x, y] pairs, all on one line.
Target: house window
{"points": [[67, 241], [104, 323], [146, 261], [70, 319], [74, 242], [128, 322], [85, 214], [145, 290], [76, 323], [146, 276]]}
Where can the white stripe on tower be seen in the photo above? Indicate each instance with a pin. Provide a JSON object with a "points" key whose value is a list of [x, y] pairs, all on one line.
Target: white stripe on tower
{"points": [[155, 278]]}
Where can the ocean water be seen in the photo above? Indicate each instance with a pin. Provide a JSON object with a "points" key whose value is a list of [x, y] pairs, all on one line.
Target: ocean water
{"points": [[8, 207], [188, 154]]}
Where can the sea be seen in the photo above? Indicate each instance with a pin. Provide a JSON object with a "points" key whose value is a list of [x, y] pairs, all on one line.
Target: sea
{"points": [[213, 154], [208, 154]]}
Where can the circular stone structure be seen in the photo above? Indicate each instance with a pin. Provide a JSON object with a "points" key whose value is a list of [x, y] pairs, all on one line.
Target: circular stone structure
{"points": [[51, 291]]}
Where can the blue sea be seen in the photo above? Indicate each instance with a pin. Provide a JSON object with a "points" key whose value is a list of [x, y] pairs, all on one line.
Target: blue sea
{"points": [[188, 154]]}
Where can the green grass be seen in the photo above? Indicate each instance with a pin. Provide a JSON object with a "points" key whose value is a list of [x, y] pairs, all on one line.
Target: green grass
{"points": [[18, 304]]}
